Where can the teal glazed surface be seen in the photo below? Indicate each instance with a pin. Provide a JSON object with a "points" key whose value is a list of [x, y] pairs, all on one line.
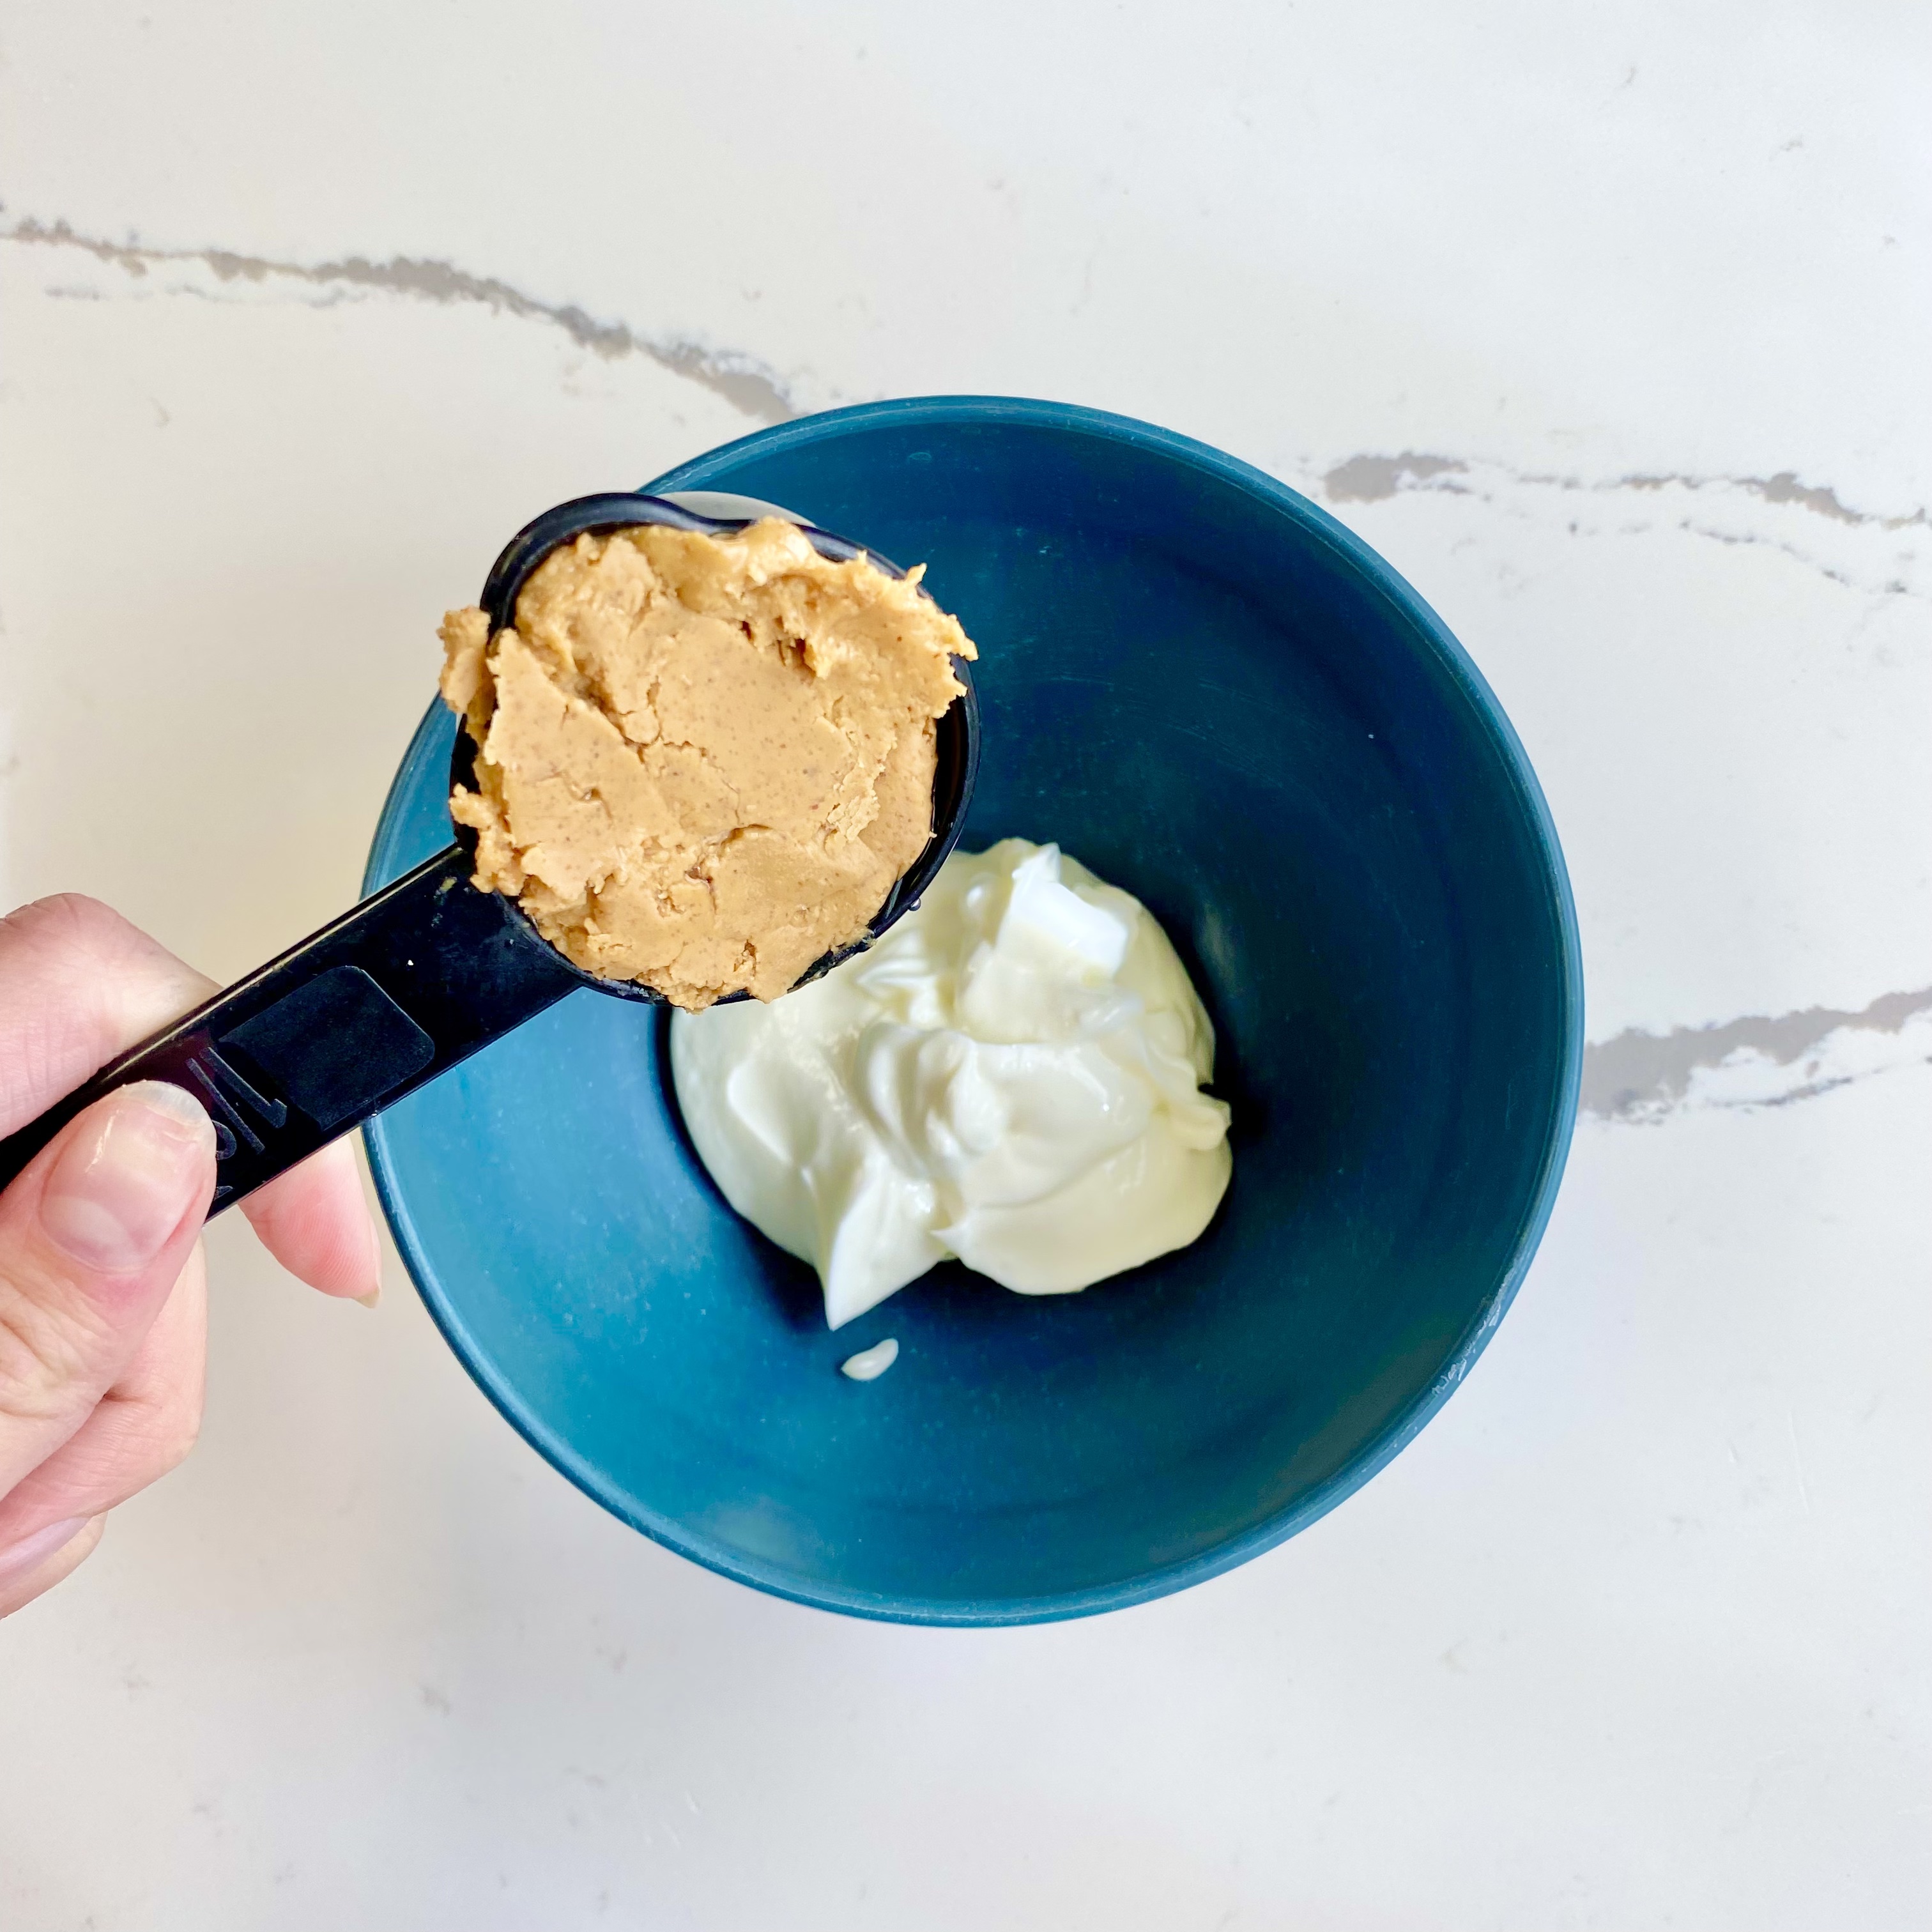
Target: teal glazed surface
{"points": [[1211, 692]]}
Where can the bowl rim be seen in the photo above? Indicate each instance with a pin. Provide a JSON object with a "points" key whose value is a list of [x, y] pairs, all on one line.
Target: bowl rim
{"points": [[703, 472]]}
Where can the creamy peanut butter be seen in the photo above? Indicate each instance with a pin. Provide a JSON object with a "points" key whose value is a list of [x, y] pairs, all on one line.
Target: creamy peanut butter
{"points": [[702, 762]]}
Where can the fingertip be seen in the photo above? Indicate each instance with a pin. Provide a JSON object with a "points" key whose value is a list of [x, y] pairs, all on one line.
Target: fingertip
{"points": [[124, 1176], [316, 1222], [70, 1553]]}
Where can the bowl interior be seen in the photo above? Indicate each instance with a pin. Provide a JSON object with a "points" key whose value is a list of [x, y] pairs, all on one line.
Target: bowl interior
{"points": [[1204, 688]]}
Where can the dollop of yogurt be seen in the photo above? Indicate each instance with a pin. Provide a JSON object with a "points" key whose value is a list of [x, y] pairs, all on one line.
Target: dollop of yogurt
{"points": [[1011, 1075]]}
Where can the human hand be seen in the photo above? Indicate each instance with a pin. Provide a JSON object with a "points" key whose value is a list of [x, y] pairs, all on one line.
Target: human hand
{"points": [[103, 1284]]}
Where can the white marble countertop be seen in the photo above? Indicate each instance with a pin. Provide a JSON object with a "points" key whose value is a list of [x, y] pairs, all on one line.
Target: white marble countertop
{"points": [[1606, 326]]}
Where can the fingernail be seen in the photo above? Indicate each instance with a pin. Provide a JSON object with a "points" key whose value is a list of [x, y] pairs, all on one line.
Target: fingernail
{"points": [[370, 1299], [123, 1183], [18, 1559]]}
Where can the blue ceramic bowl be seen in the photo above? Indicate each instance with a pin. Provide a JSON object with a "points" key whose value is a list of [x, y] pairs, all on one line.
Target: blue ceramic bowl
{"points": [[1212, 694]]}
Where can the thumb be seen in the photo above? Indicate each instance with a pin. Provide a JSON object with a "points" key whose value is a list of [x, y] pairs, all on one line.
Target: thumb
{"points": [[92, 1236]]}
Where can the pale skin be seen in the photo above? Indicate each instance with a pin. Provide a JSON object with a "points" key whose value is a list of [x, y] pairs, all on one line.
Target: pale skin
{"points": [[103, 1280]]}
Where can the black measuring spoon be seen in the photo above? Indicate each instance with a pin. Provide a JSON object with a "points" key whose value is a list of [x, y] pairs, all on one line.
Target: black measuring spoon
{"points": [[428, 969]]}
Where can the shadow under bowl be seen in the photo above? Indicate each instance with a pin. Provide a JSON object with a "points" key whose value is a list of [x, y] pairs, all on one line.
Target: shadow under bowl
{"points": [[1204, 688]]}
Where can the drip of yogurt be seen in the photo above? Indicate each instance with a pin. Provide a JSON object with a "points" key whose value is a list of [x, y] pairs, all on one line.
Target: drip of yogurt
{"points": [[1011, 1075], [869, 1364]]}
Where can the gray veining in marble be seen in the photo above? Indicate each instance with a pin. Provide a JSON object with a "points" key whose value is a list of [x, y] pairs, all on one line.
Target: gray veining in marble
{"points": [[1641, 1076], [1373, 479], [742, 380]]}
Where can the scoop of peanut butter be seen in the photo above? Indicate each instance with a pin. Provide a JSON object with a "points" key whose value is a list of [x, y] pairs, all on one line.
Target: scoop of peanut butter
{"points": [[702, 762]]}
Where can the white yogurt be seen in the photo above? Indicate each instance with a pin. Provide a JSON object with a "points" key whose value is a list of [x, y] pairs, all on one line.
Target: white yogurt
{"points": [[869, 1364], [1011, 1075]]}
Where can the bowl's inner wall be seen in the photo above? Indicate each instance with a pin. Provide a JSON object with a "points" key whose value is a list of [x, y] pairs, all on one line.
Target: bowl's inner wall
{"points": [[1210, 706]]}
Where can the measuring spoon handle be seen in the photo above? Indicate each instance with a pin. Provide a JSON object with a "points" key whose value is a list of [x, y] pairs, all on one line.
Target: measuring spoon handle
{"points": [[388, 996]]}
